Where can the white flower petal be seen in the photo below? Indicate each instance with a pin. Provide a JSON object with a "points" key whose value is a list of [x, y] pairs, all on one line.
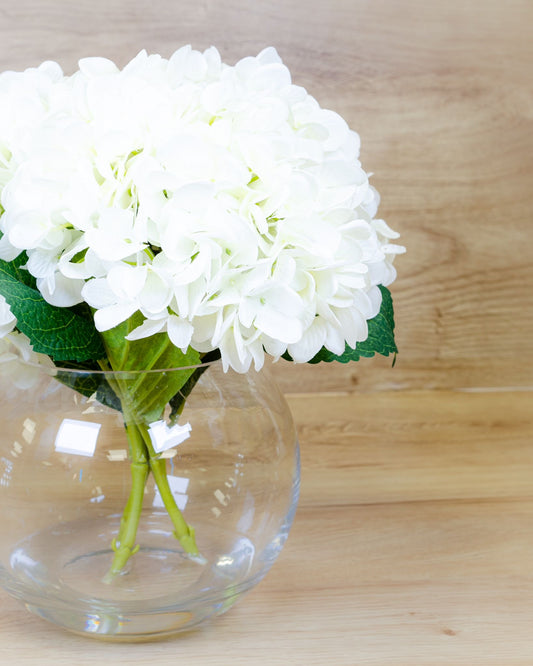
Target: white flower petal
{"points": [[7, 318], [41, 263], [383, 228], [353, 325], [224, 195], [179, 331], [94, 66], [27, 230], [113, 315], [278, 325], [310, 343], [273, 347], [389, 248], [204, 328], [233, 353], [256, 351], [248, 310], [156, 294], [19, 363], [334, 341], [146, 329], [98, 294], [66, 292], [8, 252], [127, 281]]}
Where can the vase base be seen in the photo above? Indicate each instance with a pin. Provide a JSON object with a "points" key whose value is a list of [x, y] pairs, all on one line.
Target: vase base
{"points": [[120, 628], [161, 591]]}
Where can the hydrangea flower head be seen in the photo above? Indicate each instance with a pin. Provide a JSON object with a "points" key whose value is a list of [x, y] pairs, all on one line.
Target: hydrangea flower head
{"points": [[221, 202]]}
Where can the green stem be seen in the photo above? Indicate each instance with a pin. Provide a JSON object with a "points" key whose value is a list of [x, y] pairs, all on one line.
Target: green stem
{"points": [[144, 459], [183, 532], [124, 544]]}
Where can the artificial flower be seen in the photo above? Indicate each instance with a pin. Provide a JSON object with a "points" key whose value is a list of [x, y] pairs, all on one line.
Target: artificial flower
{"points": [[220, 202]]}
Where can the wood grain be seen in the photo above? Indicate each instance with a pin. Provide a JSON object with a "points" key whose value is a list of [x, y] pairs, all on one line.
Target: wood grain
{"points": [[413, 539], [411, 545]]}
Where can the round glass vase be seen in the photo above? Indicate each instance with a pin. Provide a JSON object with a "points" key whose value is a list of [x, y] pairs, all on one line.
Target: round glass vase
{"points": [[229, 455]]}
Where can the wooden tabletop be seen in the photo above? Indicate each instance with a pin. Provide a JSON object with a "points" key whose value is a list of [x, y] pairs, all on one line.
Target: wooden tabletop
{"points": [[413, 542], [412, 546]]}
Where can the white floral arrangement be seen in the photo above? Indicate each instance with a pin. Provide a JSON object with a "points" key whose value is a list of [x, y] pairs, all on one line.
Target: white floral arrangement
{"points": [[216, 208]]}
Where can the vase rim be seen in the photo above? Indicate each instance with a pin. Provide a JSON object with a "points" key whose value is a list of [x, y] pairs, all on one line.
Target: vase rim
{"points": [[53, 370]]}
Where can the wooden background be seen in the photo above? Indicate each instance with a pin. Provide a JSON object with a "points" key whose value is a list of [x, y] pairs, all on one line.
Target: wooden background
{"points": [[419, 476]]}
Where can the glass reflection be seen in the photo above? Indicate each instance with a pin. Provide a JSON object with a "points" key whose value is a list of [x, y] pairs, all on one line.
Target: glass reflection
{"points": [[5, 478], [77, 437]]}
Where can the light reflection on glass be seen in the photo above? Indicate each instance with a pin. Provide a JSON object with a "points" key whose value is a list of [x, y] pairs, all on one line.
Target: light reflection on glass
{"points": [[77, 437], [221, 497], [117, 455], [92, 624], [247, 518], [28, 432], [19, 559], [5, 479]]}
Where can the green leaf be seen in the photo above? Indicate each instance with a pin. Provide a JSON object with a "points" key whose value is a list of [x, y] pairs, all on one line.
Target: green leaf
{"points": [[145, 394], [89, 384], [380, 338], [61, 333], [14, 268]]}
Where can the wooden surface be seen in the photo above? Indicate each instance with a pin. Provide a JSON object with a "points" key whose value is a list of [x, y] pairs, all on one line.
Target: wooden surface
{"points": [[412, 546], [414, 537]]}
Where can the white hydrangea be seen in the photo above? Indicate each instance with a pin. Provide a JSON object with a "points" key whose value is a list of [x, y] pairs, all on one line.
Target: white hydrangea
{"points": [[222, 202]]}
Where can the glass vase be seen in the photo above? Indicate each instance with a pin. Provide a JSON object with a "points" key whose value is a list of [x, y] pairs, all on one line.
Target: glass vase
{"points": [[230, 461]]}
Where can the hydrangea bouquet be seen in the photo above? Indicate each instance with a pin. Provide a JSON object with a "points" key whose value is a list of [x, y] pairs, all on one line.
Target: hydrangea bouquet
{"points": [[177, 211]]}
